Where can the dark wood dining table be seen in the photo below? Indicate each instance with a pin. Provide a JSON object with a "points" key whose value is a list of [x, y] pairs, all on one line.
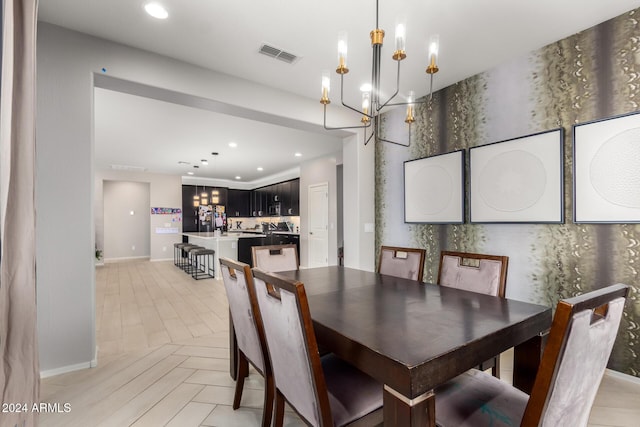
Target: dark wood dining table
{"points": [[413, 337]]}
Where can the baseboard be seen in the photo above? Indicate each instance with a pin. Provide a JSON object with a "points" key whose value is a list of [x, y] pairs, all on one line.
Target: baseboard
{"points": [[622, 376], [94, 361], [66, 369], [161, 259], [110, 260]]}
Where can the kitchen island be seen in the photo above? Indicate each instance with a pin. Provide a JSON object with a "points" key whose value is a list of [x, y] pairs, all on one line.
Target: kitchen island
{"points": [[224, 245]]}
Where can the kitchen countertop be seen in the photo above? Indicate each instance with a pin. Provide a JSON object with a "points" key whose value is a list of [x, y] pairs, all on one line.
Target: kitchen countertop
{"points": [[235, 231], [225, 236]]}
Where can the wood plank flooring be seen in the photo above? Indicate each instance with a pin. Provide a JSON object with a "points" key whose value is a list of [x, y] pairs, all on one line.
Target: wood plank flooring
{"points": [[163, 360]]}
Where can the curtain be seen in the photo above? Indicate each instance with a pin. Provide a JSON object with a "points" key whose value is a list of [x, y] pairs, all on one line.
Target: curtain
{"points": [[19, 370]]}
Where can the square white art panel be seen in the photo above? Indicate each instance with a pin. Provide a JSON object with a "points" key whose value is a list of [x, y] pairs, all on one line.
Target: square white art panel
{"points": [[434, 189], [606, 162], [518, 180]]}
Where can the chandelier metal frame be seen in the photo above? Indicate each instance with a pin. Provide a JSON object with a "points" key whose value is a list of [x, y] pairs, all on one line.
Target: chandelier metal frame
{"points": [[372, 105]]}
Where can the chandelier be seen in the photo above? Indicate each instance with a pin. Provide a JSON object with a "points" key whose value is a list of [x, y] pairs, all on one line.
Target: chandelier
{"points": [[372, 105]]}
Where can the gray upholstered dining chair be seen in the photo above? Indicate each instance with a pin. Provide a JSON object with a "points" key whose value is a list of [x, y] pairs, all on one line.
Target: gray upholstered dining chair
{"points": [[482, 273], [238, 283], [580, 342], [275, 258], [486, 274], [407, 263], [323, 391]]}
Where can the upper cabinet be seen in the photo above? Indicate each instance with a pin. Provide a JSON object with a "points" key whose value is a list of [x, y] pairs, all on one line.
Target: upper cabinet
{"points": [[239, 204], [289, 197], [189, 212], [282, 199]]}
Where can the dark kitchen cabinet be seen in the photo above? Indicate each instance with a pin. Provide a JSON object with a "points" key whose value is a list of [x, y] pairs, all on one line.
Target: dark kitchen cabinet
{"points": [[284, 239], [218, 196], [244, 248], [239, 203], [189, 212], [278, 192], [282, 199], [259, 207], [285, 197], [293, 207]]}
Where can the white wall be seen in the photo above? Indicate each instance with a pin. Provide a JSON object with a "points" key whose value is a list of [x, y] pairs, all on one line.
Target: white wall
{"points": [[358, 206], [165, 191], [126, 220], [67, 62]]}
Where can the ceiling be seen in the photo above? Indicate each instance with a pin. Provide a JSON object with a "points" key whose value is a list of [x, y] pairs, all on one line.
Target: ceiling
{"points": [[225, 36]]}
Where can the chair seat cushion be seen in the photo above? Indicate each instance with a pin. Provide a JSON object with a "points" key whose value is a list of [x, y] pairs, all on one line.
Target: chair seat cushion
{"points": [[352, 393], [477, 399]]}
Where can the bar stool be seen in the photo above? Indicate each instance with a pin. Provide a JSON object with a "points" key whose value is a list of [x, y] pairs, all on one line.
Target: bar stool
{"points": [[187, 266], [203, 264], [177, 253]]}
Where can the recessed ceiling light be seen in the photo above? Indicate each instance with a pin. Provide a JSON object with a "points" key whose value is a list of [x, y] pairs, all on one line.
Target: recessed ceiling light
{"points": [[204, 162], [238, 177], [233, 145], [298, 154], [189, 173], [366, 87], [156, 10], [260, 168]]}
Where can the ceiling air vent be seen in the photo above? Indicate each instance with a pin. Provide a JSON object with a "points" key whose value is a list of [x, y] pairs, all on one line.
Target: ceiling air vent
{"points": [[128, 168], [276, 53]]}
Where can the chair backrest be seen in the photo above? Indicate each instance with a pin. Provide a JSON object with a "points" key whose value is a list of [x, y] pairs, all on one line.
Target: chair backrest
{"points": [[407, 263], [238, 283], [486, 274], [275, 258], [292, 346], [580, 342]]}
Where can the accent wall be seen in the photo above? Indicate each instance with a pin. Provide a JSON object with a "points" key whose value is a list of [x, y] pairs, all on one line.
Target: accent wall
{"points": [[591, 75]]}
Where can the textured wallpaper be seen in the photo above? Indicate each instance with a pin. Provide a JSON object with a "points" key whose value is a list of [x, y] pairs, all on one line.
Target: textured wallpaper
{"points": [[591, 75]]}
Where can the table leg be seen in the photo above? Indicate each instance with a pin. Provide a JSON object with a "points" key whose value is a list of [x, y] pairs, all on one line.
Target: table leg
{"points": [[399, 410], [233, 350], [526, 360]]}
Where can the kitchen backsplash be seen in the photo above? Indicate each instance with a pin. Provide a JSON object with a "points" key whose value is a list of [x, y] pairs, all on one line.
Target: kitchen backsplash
{"points": [[252, 223]]}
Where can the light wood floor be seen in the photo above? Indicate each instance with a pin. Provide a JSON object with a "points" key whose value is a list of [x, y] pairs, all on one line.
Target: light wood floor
{"points": [[163, 360]]}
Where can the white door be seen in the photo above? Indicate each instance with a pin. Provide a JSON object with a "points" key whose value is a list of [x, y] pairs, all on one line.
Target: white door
{"points": [[318, 225]]}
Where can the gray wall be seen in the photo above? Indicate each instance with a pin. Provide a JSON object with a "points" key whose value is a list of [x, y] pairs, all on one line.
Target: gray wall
{"points": [[126, 220], [64, 194]]}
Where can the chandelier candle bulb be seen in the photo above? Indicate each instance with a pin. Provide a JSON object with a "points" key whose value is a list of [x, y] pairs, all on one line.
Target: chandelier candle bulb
{"points": [[366, 102], [399, 53], [434, 43], [410, 119], [342, 53], [326, 87]]}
